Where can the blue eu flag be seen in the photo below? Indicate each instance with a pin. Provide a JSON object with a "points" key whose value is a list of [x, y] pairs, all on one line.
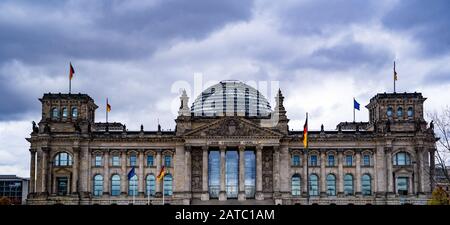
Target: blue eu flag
{"points": [[131, 174], [355, 104]]}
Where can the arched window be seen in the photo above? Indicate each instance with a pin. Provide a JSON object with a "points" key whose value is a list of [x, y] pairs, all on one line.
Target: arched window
{"points": [[349, 160], [150, 184], [348, 184], [168, 185], [133, 159], [133, 186], [331, 185], [366, 160], [64, 112], [295, 185], [63, 159], [55, 113], [366, 185], [313, 160], [115, 185], [313, 185], [410, 112], [399, 112], [98, 185], [402, 159], [389, 111], [74, 112]]}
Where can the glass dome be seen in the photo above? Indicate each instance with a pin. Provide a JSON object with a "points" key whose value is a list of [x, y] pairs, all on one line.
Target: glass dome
{"points": [[231, 98]]}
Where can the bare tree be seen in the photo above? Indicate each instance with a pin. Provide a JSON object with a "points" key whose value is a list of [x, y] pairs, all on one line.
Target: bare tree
{"points": [[441, 124]]}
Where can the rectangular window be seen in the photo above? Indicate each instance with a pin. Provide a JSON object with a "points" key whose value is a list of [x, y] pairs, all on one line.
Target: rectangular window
{"points": [[62, 185], [402, 185], [115, 160], [366, 160], [168, 161], [133, 160], [98, 160], [313, 160], [295, 160], [349, 160], [150, 160], [330, 160]]}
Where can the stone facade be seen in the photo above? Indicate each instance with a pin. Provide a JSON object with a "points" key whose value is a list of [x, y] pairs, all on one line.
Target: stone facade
{"points": [[393, 149]]}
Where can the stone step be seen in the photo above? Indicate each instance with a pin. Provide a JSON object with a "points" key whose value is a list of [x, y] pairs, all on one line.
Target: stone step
{"points": [[233, 202]]}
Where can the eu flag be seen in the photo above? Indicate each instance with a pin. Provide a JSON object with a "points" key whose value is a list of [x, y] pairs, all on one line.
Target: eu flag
{"points": [[131, 174], [355, 104]]}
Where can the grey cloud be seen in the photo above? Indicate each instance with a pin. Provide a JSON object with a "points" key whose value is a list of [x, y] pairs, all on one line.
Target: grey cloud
{"points": [[427, 21]]}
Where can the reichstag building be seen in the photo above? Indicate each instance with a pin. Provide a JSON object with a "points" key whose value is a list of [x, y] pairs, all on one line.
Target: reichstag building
{"points": [[231, 147]]}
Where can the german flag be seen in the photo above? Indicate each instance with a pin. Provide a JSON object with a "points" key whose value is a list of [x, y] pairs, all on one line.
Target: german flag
{"points": [[71, 71], [108, 106], [305, 133], [161, 173]]}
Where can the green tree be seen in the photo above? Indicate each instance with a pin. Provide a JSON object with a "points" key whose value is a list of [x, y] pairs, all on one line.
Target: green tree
{"points": [[5, 201]]}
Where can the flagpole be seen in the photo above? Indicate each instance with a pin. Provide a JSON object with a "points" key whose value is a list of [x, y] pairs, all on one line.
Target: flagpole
{"points": [[354, 110], [307, 166], [107, 111], [394, 76], [163, 189], [70, 85]]}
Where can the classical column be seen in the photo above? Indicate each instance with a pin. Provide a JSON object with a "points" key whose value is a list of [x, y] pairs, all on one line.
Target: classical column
{"points": [[205, 194], [45, 152], [32, 170], [84, 163], [259, 193], [432, 168], [241, 195], [158, 168], [420, 172], [140, 174], [106, 173], [123, 177], [389, 177], [358, 173], [323, 175], [276, 170], [187, 160], [75, 166], [222, 193], [340, 175]]}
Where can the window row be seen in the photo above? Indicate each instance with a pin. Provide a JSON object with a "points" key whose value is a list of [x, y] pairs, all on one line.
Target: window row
{"points": [[64, 113], [366, 160], [133, 160], [390, 112], [65, 159], [150, 185], [348, 181]]}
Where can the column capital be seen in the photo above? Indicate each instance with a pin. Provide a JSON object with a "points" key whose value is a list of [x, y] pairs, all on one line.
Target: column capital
{"points": [[45, 149], [187, 148], [222, 147], [204, 147], [33, 150], [241, 147], [76, 149], [259, 147]]}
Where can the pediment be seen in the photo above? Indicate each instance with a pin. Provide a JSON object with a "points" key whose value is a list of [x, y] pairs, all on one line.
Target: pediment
{"points": [[232, 127]]}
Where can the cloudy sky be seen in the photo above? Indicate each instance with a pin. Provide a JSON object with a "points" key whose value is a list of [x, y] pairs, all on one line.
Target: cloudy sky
{"points": [[137, 52]]}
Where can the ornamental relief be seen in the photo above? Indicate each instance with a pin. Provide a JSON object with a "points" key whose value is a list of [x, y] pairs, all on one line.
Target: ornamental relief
{"points": [[267, 170], [232, 127], [196, 170]]}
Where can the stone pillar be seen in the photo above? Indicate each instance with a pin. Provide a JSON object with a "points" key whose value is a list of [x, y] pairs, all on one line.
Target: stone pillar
{"points": [[380, 178], [432, 168], [106, 173], [241, 195], [305, 177], [285, 179], [44, 187], [158, 168], [222, 193], [140, 174], [259, 193], [84, 164], [187, 163], [340, 175], [75, 167], [420, 171], [32, 171], [276, 170], [123, 176], [389, 175], [205, 194], [358, 173], [323, 175]]}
